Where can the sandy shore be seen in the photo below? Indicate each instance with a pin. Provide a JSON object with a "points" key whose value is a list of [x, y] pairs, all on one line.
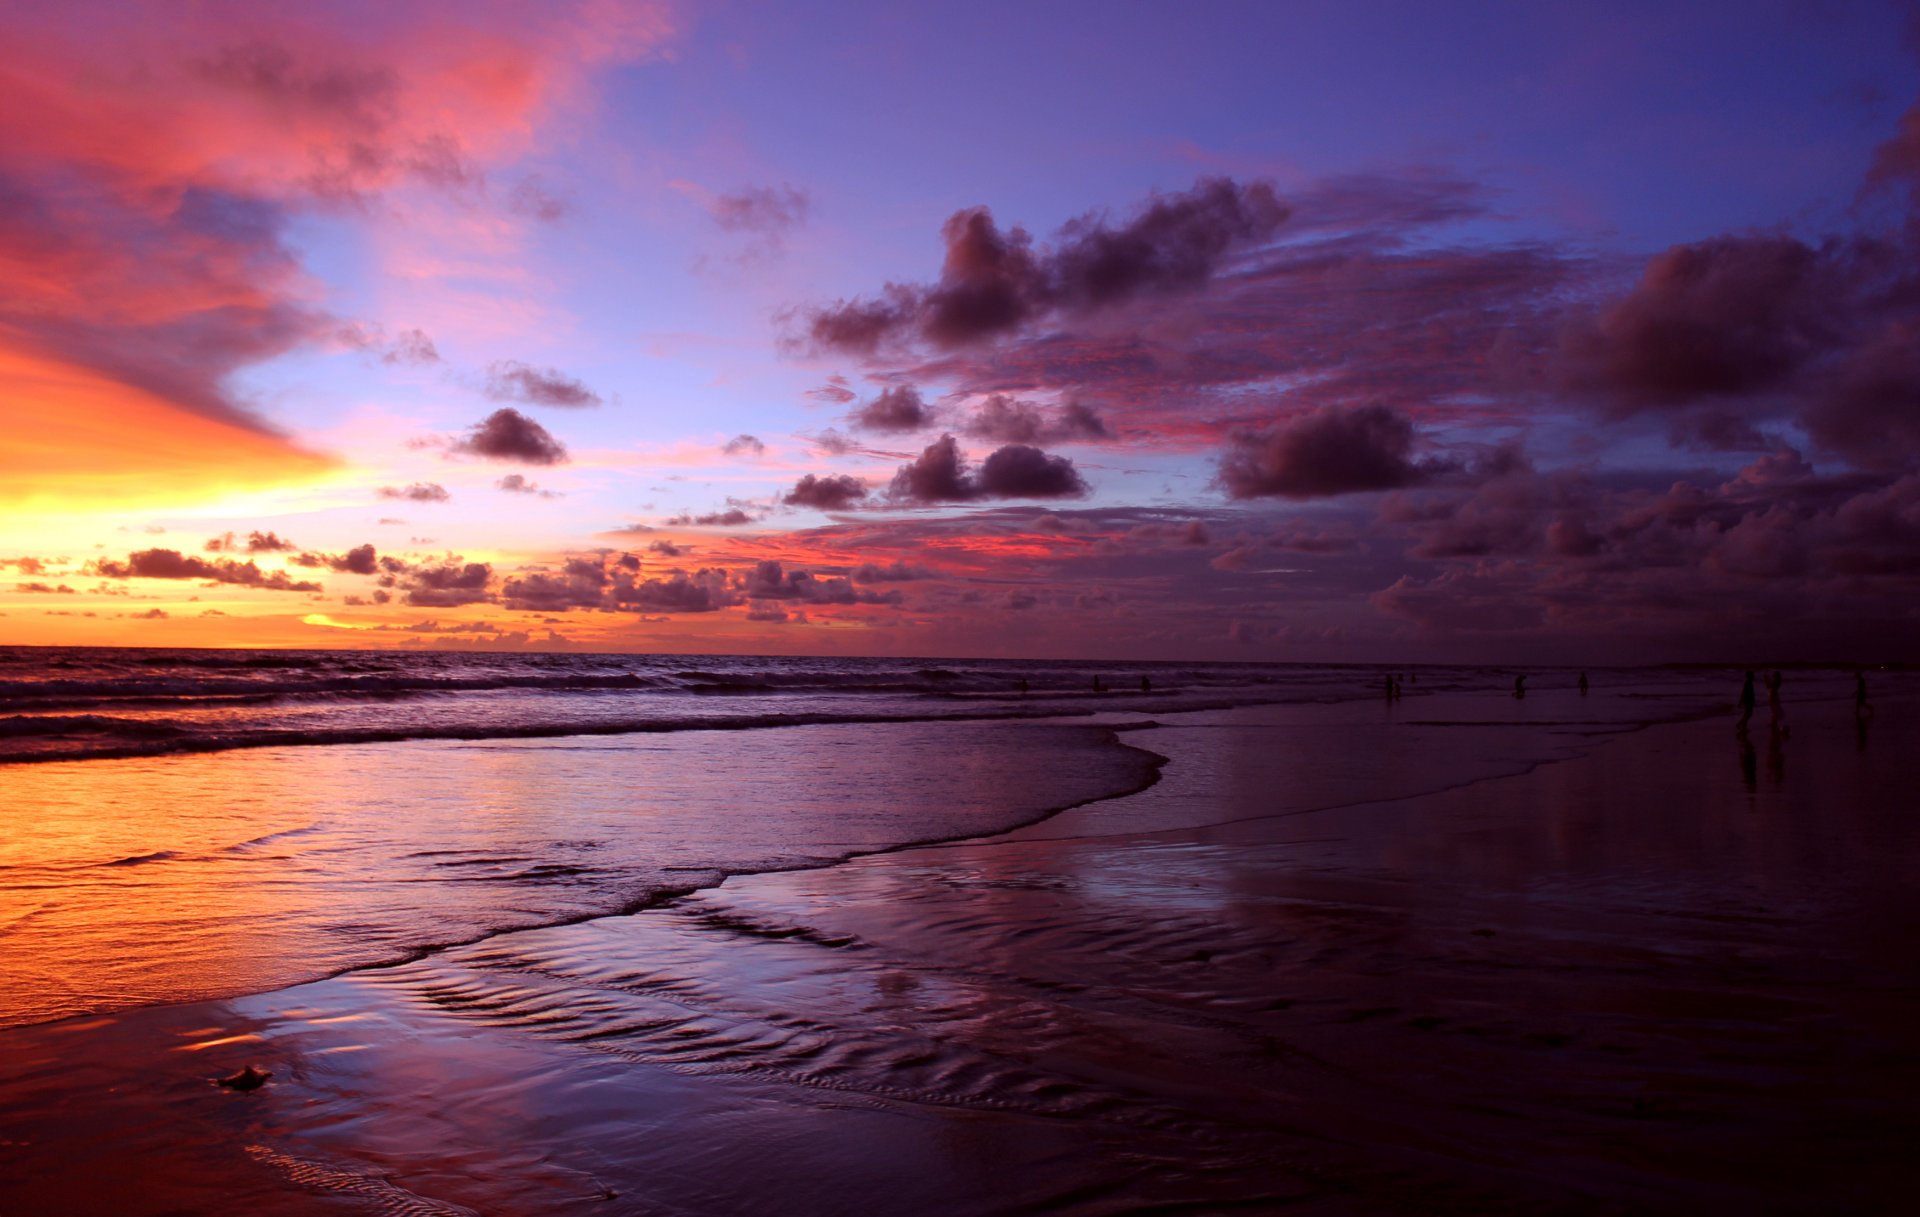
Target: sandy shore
{"points": [[1667, 974]]}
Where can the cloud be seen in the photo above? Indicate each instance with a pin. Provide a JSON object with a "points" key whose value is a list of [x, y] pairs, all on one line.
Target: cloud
{"points": [[256, 543], [511, 380], [739, 511], [835, 392], [45, 589], [419, 492], [1007, 420], [768, 211], [769, 580], [1727, 316], [1868, 407], [517, 483], [1329, 451], [145, 227], [172, 564], [508, 435], [448, 584], [940, 475], [896, 572], [829, 492], [744, 443], [994, 283], [896, 410], [410, 346]]}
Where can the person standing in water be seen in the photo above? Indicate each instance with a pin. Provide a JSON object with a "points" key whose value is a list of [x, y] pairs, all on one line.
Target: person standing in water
{"points": [[1746, 705], [1776, 712], [1862, 708], [1519, 687], [1583, 684]]}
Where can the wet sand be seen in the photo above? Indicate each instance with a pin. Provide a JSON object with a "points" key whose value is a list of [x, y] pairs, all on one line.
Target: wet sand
{"points": [[1644, 972]]}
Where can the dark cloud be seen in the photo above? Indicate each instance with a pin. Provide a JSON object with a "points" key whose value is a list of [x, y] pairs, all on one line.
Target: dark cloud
{"points": [[1728, 316], [940, 475], [1329, 451], [419, 492], [769, 580], [1019, 471], [896, 410], [667, 549], [511, 380], [1008, 420], [508, 435], [828, 492], [995, 283], [703, 591], [743, 443], [1868, 407], [172, 564], [448, 584], [517, 483], [45, 589], [359, 560], [1896, 162], [768, 211]]}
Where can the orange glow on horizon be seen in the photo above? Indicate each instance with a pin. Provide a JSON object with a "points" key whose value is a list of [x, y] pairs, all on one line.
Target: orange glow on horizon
{"points": [[91, 444]]}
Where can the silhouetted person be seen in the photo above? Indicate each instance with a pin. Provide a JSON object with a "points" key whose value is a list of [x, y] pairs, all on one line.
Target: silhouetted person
{"points": [[1146, 686], [1776, 713], [1098, 687], [1391, 691], [1519, 687], [1023, 686], [1583, 684], [1862, 709], [1746, 705]]}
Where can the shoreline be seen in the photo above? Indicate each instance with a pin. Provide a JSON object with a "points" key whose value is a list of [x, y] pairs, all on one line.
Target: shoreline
{"points": [[1271, 1010]]}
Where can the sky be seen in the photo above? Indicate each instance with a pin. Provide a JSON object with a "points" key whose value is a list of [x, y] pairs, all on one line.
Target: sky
{"points": [[1375, 332]]}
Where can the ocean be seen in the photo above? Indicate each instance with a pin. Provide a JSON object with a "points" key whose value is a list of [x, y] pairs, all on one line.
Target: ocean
{"points": [[182, 825]]}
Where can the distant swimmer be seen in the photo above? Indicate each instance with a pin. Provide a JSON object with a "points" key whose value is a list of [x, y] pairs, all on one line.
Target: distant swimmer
{"points": [[1776, 712], [1023, 685], [1583, 684], [1146, 686], [1098, 687], [1746, 705], [1519, 687]]}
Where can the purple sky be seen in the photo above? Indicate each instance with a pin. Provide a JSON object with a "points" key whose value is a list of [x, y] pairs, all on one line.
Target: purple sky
{"points": [[1316, 331]]}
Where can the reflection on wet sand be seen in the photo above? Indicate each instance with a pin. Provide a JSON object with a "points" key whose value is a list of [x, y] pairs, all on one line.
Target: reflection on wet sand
{"points": [[1629, 982]]}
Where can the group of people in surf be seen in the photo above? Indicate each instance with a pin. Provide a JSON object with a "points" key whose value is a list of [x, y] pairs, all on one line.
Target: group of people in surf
{"points": [[1777, 710]]}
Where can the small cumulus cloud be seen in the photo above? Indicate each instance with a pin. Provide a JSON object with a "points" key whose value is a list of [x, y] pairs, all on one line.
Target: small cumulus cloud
{"points": [[419, 492], [508, 435]]}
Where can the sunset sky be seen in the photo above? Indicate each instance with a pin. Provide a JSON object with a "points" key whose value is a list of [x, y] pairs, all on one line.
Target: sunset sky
{"points": [[1265, 331]]}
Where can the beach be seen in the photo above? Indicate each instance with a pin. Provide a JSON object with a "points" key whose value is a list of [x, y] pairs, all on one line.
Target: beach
{"points": [[1451, 954]]}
